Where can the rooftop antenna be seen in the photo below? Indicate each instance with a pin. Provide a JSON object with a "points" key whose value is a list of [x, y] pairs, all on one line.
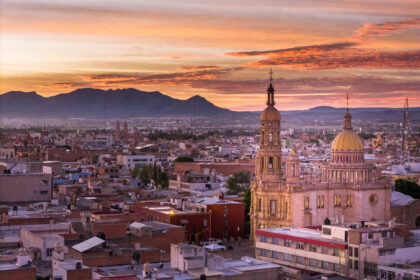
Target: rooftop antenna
{"points": [[405, 131]]}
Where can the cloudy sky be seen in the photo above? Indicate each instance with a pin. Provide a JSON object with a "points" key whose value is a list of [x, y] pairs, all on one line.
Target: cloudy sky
{"points": [[222, 50]]}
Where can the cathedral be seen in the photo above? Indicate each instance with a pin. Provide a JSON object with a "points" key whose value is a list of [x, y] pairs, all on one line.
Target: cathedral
{"points": [[347, 190]]}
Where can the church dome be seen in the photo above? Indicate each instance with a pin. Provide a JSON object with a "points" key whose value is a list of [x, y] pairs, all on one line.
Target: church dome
{"points": [[347, 141], [270, 114]]}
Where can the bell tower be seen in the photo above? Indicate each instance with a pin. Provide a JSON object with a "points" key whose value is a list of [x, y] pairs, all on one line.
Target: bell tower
{"points": [[270, 205]]}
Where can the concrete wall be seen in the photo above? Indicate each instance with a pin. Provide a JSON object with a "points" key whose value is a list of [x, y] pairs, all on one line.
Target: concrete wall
{"points": [[25, 187]]}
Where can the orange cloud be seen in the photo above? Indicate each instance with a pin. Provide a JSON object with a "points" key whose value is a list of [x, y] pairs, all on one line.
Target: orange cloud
{"points": [[331, 56], [298, 50], [347, 58], [384, 29], [194, 68]]}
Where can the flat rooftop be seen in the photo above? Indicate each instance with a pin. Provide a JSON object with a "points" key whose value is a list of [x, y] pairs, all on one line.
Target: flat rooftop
{"points": [[302, 235]]}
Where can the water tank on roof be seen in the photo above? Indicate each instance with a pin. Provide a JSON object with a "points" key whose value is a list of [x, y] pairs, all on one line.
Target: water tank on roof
{"points": [[327, 221]]}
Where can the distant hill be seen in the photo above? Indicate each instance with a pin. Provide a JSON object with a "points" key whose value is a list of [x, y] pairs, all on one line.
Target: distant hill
{"points": [[131, 103], [97, 103]]}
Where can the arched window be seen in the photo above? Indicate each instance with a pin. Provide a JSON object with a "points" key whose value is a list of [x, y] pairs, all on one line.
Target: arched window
{"points": [[270, 137], [270, 163]]}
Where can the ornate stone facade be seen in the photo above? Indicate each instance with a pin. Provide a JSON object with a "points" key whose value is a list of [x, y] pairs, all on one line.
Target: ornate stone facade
{"points": [[347, 190]]}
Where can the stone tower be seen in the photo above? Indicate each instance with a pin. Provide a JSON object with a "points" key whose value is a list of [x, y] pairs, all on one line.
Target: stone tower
{"points": [[270, 201]]}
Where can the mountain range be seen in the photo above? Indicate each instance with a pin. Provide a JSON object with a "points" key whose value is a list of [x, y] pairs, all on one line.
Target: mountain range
{"points": [[131, 103]]}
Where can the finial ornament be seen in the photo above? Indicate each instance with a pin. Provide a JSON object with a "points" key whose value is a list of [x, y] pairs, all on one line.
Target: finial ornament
{"points": [[270, 90], [347, 98], [347, 116]]}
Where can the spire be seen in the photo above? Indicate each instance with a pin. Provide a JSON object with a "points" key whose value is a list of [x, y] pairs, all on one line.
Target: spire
{"points": [[270, 90], [347, 116]]}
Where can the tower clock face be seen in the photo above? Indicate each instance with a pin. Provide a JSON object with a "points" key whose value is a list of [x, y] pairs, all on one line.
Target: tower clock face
{"points": [[373, 199]]}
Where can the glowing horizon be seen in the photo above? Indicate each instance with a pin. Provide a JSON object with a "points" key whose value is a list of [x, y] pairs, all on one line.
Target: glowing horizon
{"points": [[221, 50]]}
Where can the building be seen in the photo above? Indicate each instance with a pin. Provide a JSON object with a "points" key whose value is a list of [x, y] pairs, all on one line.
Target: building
{"points": [[347, 187], [40, 240], [196, 261], [196, 225], [27, 187], [352, 250], [227, 217], [22, 269], [129, 162], [405, 209]]}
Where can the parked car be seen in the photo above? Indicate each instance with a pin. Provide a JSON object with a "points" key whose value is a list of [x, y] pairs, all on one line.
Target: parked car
{"points": [[211, 241]]}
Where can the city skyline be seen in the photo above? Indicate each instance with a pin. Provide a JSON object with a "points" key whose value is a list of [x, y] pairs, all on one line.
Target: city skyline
{"points": [[221, 51]]}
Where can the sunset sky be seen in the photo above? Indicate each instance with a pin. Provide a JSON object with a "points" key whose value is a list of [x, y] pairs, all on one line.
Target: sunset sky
{"points": [[221, 50]]}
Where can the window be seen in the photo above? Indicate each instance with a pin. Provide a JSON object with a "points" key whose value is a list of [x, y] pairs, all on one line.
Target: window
{"points": [[326, 231], [324, 265], [263, 238], [306, 202], [313, 262], [287, 243], [312, 247], [335, 252], [276, 255], [300, 245], [337, 200], [350, 251], [263, 252], [320, 201], [262, 164], [270, 137], [204, 222], [49, 252], [325, 250], [356, 252], [275, 241], [287, 257], [273, 207], [300, 260], [336, 267], [349, 201], [350, 264], [356, 265], [370, 235], [259, 204], [43, 192], [270, 163]]}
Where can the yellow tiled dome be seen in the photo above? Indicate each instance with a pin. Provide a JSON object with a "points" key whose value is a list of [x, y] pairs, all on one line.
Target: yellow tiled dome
{"points": [[270, 114], [347, 141]]}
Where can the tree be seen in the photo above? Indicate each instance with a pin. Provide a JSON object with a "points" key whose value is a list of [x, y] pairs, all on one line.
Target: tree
{"points": [[146, 173], [184, 159], [247, 201], [135, 172], [151, 171], [407, 187], [238, 182]]}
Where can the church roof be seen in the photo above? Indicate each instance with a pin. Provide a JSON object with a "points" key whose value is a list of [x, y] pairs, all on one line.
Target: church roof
{"points": [[400, 199]]}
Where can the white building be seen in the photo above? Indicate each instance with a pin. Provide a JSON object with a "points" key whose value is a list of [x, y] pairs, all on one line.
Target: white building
{"points": [[129, 162]]}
